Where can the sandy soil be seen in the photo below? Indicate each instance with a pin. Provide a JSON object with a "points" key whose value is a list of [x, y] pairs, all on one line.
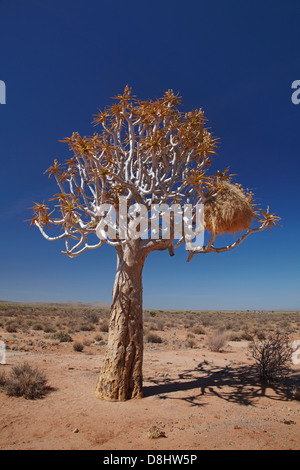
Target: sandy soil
{"points": [[198, 398]]}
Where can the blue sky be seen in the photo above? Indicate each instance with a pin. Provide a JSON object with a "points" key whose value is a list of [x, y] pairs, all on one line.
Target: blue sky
{"points": [[62, 60]]}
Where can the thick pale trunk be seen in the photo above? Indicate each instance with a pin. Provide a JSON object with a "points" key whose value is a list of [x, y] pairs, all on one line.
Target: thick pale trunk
{"points": [[121, 377]]}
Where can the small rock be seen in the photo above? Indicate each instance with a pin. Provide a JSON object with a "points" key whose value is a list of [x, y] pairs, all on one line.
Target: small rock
{"points": [[76, 431]]}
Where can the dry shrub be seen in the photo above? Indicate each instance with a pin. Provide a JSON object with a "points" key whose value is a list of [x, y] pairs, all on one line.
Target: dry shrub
{"points": [[228, 210], [190, 341], [235, 337], [104, 326], [151, 326], [11, 327], [26, 381], [153, 338], [78, 346], [198, 330], [206, 321], [160, 324], [246, 336], [91, 317], [272, 355], [62, 337], [87, 327], [2, 379], [48, 328], [261, 335], [217, 341]]}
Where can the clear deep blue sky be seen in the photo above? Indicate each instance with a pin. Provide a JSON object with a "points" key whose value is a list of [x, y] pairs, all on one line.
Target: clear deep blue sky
{"points": [[61, 60]]}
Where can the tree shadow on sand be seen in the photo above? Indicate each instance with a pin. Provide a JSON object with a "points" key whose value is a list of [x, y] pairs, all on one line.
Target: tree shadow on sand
{"points": [[239, 384]]}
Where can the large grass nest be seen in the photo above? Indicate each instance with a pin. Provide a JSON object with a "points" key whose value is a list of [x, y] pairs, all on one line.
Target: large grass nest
{"points": [[228, 210]]}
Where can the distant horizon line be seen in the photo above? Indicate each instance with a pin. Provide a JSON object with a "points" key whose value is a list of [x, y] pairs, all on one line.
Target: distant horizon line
{"points": [[108, 305]]}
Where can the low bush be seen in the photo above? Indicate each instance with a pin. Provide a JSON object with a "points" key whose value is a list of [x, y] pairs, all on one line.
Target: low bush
{"points": [[98, 337], [78, 346], [26, 381], [153, 338], [11, 327], [87, 327], [272, 355], [198, 330], [104, 326], [62, 337], [190, 341], [2, 379], [91, 317], [217, 341]]}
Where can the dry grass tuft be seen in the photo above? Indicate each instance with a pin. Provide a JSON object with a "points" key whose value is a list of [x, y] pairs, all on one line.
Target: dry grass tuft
{"points": [[26, 381], [217, 341]]}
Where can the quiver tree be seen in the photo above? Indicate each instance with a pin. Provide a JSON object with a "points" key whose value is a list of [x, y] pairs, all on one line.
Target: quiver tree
{"points": [[148, 153]]}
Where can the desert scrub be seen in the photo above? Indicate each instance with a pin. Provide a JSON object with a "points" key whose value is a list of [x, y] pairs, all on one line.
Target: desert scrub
{"points": [[246, 335], [26, 381], [62, 337], [190, 341], [217, 341], [153, 338], [92, 317], [87, 327], [104, 326], [152, 326], [272, 355], [198, 330], [160, 324], [235, 336], [78, 346], [98, 337], [11, 327], [48, 328], [2, 379]]}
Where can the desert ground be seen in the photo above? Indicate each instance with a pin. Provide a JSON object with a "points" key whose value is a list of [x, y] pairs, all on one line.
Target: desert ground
{"points": [[195, 397]]}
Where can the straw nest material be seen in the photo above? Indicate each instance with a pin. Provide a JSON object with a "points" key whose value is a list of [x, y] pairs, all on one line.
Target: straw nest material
{"points": [[228, 210]]}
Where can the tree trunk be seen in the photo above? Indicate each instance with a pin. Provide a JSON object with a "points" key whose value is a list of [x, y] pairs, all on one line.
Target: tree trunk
{"points": [[121, 377]]}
